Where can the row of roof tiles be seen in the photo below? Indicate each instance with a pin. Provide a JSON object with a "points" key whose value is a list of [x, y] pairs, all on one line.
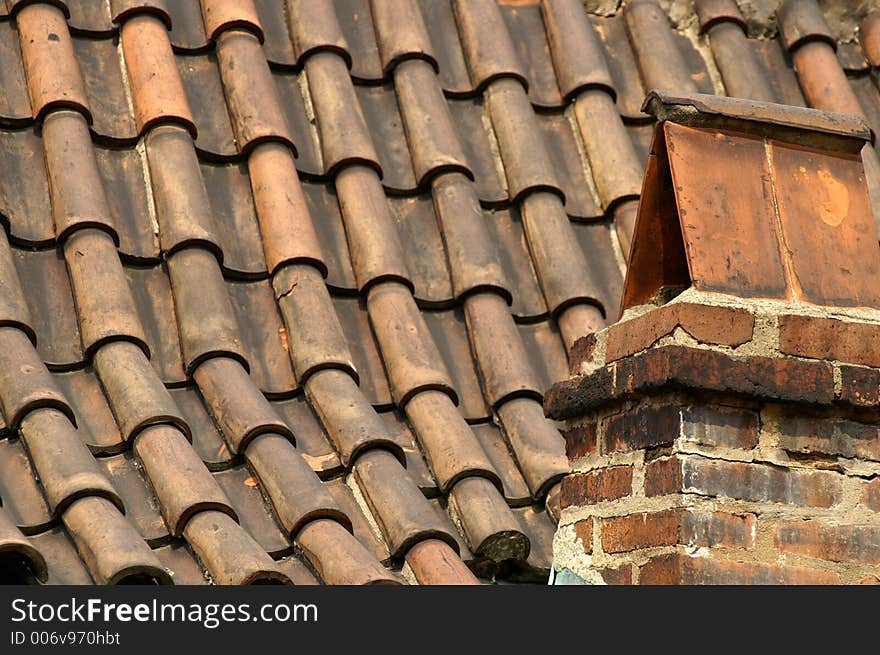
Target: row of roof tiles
{"points": [[179, 381]]}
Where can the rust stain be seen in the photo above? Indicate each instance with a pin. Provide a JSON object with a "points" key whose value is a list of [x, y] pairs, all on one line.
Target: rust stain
{"points": [[251, 481]]}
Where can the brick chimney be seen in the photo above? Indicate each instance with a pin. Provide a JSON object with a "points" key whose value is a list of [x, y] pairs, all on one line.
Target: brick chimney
{"points": [[725, 430]]}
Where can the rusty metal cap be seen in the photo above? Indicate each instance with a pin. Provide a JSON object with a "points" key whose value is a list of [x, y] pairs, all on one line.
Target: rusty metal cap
{"points": [[824, 129]]}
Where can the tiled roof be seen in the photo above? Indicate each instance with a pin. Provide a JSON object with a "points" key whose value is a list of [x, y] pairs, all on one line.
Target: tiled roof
{"points": [[285, 282]]}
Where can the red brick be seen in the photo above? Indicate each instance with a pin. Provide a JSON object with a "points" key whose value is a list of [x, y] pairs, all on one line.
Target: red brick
{"points": [[622, 575], [707, 323], [720, 426], [818, 337], [580, 440], [759, 482], [663, 476], [596, 486], [859, 386], [635, 531], [871, 494], [711, 529], [581, 351], [677, 526], [831, 436], [583, 530], [677, 568], [836, 543], [643, 427], [779, 379]]}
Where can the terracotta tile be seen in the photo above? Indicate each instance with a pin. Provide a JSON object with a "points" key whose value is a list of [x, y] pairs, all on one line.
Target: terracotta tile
{"points": [[660, 61], [314, 339], [448, 329], [76, 201], [423, 250], [66, 468], [229, 553], [515, 490], [448, 442], [408, 352], [488, 524], [473, 126], [364, 350], [50, 300], [778, 68], [22, 563], [286, 228], [298, 571], [570, 169], [364, 531], [353, 425], [526, 27], [156, 91], [243, 491], [135, 393], [546, 351], [241, 412], [94, 419], [434, 562], [13, 306], [177, 558], [64, 564], [537, 444], [187, 26], [605, 278], [142, 508], [356, 22], [446, 45], [339, 558], [296, 494], [540, 528], [265, 341], [53, 74], [23, 498], [90, 17], [205, 318], [122, 172], [15, 106], [486, 42], [401, 34], [505, 370], [290, 87], [576, 50], [869, 31], [801, 22], [183, 211], [206, 438], [505, 228], [311, 440], [25, 203], [622, 65], [315, 27], [223, 15], [200, 75], [738, 63], [404, 515], [151, 290], [277, 46], [104, 303], [416, 466], [101, 67], [527, 163], [250, 91], [324, 209], [376, 250], [25, 383], [385, 126], [235, 220], [615, 167], [184, 489], [122, 10]]}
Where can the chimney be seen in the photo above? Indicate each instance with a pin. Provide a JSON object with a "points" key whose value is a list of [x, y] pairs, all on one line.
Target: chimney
{"points": [[725, 430]]}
